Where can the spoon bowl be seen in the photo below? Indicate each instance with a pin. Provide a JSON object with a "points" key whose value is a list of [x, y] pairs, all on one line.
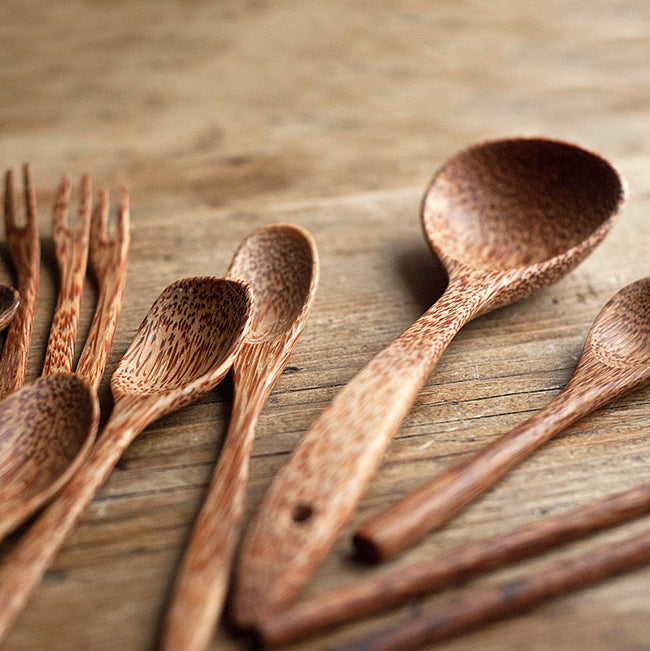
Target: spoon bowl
{"points": [[46, 430], [506, 219], [9, 300]]}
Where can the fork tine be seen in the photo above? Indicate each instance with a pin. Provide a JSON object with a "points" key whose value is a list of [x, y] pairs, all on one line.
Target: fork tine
{"points": [[123, 217], [30, 198], [85, 202], [10, 201], [98, 225], [60, 218]]}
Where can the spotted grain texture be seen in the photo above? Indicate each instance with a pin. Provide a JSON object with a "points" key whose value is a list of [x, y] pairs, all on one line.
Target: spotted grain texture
{"points": [[71, 251], [24, 248], [614, 361], [46, 430], [515, 183], [394, 587], [280, 263], [183, 348], [108, 259], [475, 608]]}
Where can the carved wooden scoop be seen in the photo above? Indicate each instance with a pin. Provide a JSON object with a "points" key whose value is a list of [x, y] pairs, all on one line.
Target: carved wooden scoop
{"points": [[280, 263], [183, 348], [615, 360], [506, 218]]}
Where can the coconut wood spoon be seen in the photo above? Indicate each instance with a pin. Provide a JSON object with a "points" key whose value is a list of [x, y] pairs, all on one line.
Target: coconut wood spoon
{"points": [[183, 348], [9, 301], [615, 360], [46, 429], [280, 263], [506, 218]]}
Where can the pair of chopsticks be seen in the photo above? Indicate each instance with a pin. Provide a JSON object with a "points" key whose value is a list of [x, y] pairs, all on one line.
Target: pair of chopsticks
{"points": [[396, 586]]}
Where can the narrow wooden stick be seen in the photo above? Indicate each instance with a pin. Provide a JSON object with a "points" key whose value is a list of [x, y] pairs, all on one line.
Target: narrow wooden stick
{"points": [[477, 607], [393, 587]]}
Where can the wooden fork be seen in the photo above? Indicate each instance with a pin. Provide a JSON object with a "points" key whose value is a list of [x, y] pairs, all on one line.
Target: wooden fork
{"points": [[108, 259], [24, 248], [71, 250]]}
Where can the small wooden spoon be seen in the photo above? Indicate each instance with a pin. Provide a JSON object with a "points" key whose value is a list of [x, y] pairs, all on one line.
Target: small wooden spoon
{"points": [[506, 218], [46, 429], [9, 301], [280, 263], [615, 360], [183, 348]]}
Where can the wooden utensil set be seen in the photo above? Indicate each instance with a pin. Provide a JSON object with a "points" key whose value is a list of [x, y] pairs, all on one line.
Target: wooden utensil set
{"points": [[506, 218]]}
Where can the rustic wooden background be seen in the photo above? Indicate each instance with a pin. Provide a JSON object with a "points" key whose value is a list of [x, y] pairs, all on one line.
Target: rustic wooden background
{"points": [[224, 116]]}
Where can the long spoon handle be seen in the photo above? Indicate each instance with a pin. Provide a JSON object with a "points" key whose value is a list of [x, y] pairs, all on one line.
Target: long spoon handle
{"points": [[522, 593], [201, 586], [317, 489], [394, 587], [71, 248], [28, 560], [430, 506], [24, 247]]}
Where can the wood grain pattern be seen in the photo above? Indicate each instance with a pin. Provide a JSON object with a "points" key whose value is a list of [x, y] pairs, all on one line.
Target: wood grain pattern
{"points": [[392, 588], [615, 360], [183, 348], [9, 300], [280, 264], [25, 250], [71, 250], [222, 117], [482, 215]]}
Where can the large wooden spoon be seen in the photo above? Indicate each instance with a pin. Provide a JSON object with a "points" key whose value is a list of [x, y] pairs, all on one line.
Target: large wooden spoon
{"points": [[183, 348], [46, 429], [615, 360], [506, 218], [280, 263]]}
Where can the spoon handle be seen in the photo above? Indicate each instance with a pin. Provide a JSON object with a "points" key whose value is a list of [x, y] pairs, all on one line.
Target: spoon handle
{"points": [[317, 489], [430, 506], [71, 248], [24, 247], [28, 560], [476, 607], [200, 589]]}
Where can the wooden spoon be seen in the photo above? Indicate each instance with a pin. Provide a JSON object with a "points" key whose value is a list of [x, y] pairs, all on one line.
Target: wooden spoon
{"points": [[506, 218], [183, 348], [9, 301], [615, 360], [46, 429], [280, 263]]}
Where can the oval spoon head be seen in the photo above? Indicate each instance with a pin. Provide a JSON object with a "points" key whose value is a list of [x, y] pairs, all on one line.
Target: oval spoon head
{"points": [[280, 263], [187, 342], [529, 210], [9, 300], [46, 430]]}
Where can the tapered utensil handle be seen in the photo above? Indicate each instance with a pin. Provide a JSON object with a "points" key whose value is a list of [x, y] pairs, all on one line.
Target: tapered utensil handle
{"points": [[395, 586], [478, 607], [315, 492]]}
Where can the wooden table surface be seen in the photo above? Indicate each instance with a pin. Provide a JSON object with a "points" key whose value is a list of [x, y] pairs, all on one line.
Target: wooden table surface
{"points": [[224, 116]]}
